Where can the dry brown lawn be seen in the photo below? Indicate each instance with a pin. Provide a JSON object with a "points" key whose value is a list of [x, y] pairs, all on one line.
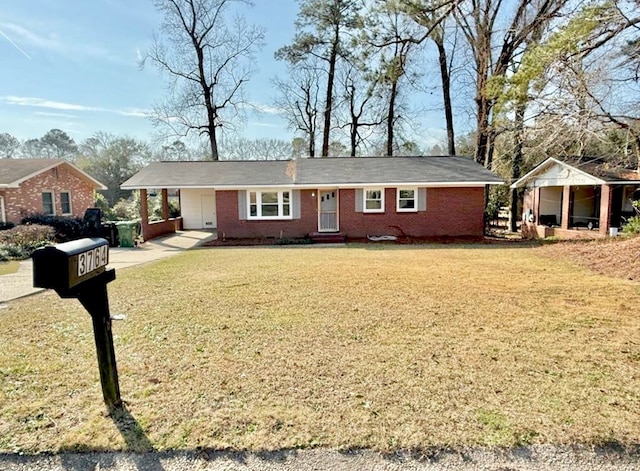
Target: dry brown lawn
{"points": [[392, 347]]}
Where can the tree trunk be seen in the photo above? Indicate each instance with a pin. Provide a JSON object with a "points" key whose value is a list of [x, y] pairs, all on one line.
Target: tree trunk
{"points": [[516, 166], [446, 94], [354, 136], [391, 116], [214, 143], [482, 133], [329, 99], [312, 146]]}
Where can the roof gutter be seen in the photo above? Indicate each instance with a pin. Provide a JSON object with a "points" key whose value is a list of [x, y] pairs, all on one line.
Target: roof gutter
{"points": [[314, 186]]}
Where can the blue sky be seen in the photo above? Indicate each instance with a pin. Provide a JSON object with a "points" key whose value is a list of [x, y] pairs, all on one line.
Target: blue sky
{"points": [[73, 65]]}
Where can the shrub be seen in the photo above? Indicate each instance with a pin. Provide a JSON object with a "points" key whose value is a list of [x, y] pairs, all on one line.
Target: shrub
{"points": [[632, 226], [102, 203], [6, 225], [20, 242], [66, 228], [125, 210]]}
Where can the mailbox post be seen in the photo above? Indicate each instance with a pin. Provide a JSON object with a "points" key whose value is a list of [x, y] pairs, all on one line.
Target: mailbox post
{"points": [[77, 269]]}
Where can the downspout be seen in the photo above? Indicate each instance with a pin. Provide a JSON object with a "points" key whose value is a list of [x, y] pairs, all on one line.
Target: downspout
{"points": [[3, 217]]}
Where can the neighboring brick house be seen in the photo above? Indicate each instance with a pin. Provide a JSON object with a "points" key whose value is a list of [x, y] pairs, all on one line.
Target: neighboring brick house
{"points": [[577, 198], [44, 186], [352, 197]]}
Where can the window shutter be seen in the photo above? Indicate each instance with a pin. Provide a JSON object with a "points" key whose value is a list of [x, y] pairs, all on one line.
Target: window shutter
{"points": [[295, 201], [422, 199], [242, 204], [359, 200]]}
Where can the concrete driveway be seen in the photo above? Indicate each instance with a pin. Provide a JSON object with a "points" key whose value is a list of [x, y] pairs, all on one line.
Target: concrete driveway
{"points": [[19, 284]]}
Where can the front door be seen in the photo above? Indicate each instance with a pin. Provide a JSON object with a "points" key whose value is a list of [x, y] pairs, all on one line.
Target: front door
{"points": [[208, 205], [328, 211]]}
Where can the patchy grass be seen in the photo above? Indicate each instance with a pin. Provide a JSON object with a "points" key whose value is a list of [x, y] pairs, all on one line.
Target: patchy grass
{"points": [[393, 347], [9, 267]]}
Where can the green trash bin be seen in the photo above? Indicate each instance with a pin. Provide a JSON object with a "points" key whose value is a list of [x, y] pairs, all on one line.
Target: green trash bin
{"points": [[127, 233]]}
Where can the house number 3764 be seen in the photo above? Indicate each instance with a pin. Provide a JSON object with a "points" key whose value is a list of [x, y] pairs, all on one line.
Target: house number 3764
{"points": [[92, 260]]}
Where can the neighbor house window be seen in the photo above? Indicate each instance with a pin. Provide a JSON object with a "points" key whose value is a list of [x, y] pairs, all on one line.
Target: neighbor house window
{"points": [[374, 201], [269, 204], [47, 203], [407, 198], [65, 202]]}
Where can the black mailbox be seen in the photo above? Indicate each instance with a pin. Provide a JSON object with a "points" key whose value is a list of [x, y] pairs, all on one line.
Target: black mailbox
{"points": [[65, 266]]}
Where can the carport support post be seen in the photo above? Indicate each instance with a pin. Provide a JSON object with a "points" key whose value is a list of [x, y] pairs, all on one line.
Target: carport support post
{"points": [[165, 204], [96, 302], [144, 212]]}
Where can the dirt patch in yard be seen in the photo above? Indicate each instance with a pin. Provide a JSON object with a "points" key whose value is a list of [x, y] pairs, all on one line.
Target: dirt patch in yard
{"points": [[617, 257]]}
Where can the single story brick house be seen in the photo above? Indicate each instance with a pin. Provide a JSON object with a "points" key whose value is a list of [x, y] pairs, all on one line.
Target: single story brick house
{"points": [[44, 186], [353, 197], [577, 198]]}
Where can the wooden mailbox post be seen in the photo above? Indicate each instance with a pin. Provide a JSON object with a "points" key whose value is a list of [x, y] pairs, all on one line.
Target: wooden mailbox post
{"points": [[77, 269]]}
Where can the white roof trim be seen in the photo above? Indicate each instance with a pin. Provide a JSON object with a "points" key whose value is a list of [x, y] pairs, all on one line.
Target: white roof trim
{"points": [[545, 164]]}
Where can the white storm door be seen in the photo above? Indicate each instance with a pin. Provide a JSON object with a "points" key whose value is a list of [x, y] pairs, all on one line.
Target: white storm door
{"points": [[328, 211], [209, 218]]}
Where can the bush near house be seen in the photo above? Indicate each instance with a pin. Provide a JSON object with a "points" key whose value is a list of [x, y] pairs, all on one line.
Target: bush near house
{"points": [[19, 242], [66, 228], [633, 224]]}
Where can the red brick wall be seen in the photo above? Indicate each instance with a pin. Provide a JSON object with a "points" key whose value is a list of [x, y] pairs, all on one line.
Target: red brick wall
{"points": [[450, 212], [230, 227], [27, 200]]}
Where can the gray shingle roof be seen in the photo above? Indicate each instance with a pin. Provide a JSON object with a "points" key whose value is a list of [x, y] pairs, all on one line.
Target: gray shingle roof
{"points": [[339, 172], [15, 171]]}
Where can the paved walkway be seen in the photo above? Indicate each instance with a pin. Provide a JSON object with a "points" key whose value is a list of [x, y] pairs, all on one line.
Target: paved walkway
{"points": [[19, 284]]}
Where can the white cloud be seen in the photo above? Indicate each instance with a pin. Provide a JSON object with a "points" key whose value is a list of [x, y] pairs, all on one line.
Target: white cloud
{"points": [[59, 105], [137, 112], [262, 108], [44, 103], [55, 115], [54, 43], [265, 125]]}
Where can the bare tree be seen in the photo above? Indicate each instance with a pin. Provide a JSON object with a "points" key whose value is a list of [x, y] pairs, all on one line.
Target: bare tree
{"points": [[298, 100], [433, 17], [322, 25], [207, 59], [257, 149], [359, 111]]}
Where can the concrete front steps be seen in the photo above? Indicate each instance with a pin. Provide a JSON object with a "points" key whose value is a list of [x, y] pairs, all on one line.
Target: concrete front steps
{"points": [[328, 237]]}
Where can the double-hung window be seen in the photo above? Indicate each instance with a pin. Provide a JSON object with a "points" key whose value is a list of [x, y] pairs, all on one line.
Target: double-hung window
{"points": [[48, 207], [65, 202], [374, 200], [407, 200], [269, 204]]}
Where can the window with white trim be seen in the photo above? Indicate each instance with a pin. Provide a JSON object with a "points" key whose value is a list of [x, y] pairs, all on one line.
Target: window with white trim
{"points": [[65, 202], [407, 200], [269, 204], [47, 203], [374, 200]]}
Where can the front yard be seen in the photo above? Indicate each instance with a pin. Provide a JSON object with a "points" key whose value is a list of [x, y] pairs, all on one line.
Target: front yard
{"points": [[392, 347]]}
